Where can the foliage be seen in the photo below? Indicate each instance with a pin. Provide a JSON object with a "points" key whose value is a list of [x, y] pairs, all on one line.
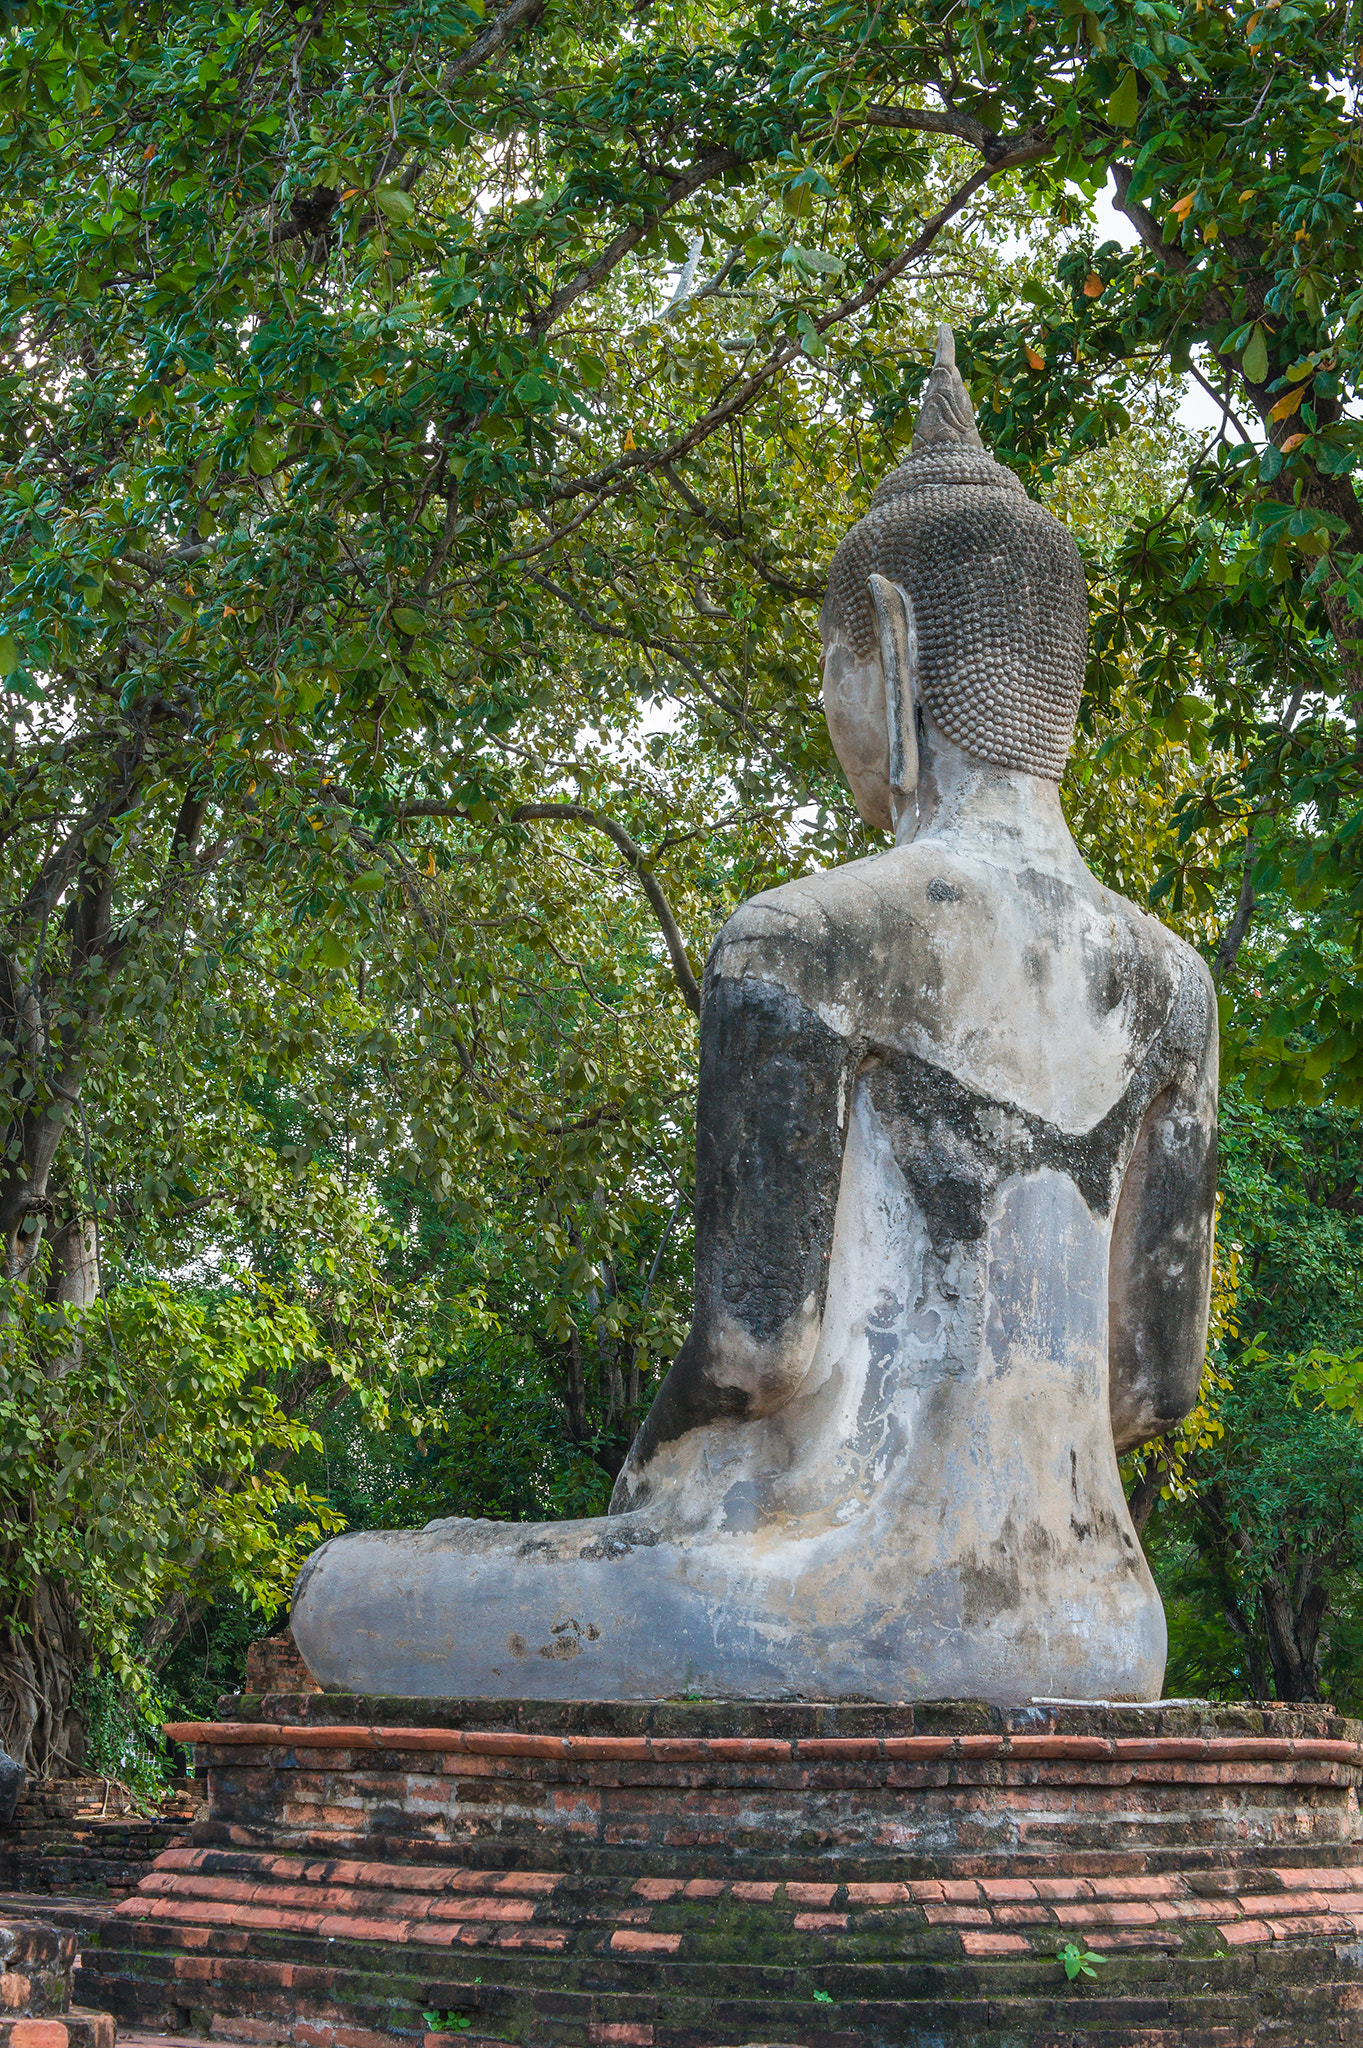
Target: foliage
{"points": [[1076, 1959], [1259, 1546], [1277, 1519], [136, 1442], [421, 435], [123, 1741]]}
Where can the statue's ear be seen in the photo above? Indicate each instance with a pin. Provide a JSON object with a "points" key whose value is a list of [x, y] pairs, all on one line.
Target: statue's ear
{"points": [[899, 658]]}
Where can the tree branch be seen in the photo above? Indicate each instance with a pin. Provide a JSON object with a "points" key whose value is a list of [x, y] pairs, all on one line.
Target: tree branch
{"points": [[608, 483], [995, 149], [727, 532], [691, 180], [648, 882]]}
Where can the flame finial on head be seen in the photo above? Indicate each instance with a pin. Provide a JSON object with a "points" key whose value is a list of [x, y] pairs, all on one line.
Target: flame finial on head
{"points": [[947, 418]]}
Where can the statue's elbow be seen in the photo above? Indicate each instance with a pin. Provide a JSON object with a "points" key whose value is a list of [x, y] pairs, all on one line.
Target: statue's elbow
{"points": [[1151, 1389]]}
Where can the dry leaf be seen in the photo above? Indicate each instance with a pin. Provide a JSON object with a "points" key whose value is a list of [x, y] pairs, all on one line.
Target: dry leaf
{"points": [[1093, 286], [1285, 407], [1038, 362], [1184, 206], [628, 442], [1292, 441]]}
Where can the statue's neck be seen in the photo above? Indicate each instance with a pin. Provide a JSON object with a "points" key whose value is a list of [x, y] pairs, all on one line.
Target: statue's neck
{"points": [[998, 812]]}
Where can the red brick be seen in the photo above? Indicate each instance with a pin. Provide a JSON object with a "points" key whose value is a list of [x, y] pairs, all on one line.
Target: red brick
{"points": [[810, 1894], [1063, 1888], [1239, 1933], [754, 1894], [876, 1894], [1118, 1913], [1349, 1877], [965, 1891], [1007, 1888], [634, 1941], [1022, 1915], [480, 1909], [749, 1750], [1311, 1923], [1192, 1909], [957, 1916], [994, 1944], [619, 2034], [838, 1749], [815, 1923], [37, 2034], [354, 1927], [1157, 1885], [703, 1888], [1132, 1938], [659, 1887]]}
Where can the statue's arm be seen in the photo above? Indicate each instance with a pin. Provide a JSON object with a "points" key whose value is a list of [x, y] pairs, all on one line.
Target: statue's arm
{"points": [[1159, 1289], [770, 1128]]}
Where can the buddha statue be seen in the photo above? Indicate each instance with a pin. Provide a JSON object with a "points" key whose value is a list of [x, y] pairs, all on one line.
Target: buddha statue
{"points": [[955, 1174]]}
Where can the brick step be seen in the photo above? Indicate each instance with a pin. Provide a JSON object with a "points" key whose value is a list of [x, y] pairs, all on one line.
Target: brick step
{"points": [[243, 1998], [731, 1857], [74, 2028], [697, 1875], [186, 1954], [448, 1906]]}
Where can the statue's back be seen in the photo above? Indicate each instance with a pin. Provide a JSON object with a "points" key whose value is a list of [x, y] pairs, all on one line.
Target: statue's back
{"points": [[955, 1179]]}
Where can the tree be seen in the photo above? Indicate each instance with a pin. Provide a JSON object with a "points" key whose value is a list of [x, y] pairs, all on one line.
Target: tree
{"points": [[421, 435]]}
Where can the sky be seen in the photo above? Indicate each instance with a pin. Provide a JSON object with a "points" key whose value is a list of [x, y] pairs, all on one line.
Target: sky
{"points": [[1197, 410]]}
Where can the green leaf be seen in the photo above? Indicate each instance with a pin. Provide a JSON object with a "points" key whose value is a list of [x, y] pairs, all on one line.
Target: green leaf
{"points": [[393, 201], [262, 455], [812, 259], [9, 654], [1125, 103], [408, 621], [1254, 362]]}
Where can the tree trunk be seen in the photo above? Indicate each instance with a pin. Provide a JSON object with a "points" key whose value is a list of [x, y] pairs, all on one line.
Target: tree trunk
{"points": [[1220, 1545], [1146, 1490], [43, 1653], [576, 1389], [43, 1650], [1295, 1603]]}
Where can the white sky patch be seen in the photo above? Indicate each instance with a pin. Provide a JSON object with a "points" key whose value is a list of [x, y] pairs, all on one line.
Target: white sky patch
{"points": [[1197, 411]]}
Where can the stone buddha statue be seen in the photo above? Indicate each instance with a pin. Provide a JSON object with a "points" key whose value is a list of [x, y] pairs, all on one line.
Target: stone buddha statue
{"points": [[955, 1172]]}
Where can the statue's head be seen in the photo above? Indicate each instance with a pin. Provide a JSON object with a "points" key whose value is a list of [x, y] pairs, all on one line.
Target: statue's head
{"points": [[958, 592]]}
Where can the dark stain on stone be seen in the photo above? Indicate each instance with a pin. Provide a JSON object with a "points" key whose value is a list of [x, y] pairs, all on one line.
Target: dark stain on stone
{"points": [[942, 892]]}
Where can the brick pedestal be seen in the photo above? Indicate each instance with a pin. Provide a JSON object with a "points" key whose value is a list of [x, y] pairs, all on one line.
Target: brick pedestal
{"points": [[36, 1966], [82, 1834], [687, 1875]]}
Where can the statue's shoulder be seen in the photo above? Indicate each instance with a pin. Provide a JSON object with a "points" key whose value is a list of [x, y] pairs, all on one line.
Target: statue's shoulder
{"points": [[1189, 993]]}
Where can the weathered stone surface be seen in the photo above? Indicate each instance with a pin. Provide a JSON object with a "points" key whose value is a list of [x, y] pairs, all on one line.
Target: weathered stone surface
{"points": [[955, 1171], [13, 1778], [80, 1835], [793, 1878], [36, 1961], [273, 1664], [76, 2028]]}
